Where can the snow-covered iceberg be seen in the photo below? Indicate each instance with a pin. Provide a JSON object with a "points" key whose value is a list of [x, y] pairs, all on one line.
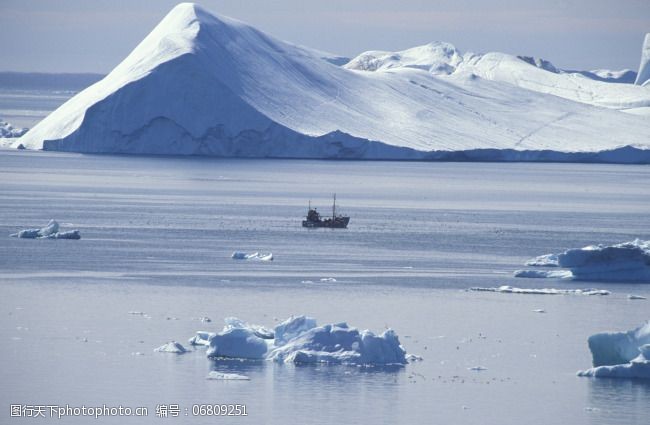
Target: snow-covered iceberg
{"points": [[620, 354], [299, 340], [201, 84], [624, 262], [51, 231]]}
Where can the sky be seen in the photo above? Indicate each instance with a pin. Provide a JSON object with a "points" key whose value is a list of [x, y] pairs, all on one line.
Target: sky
{"points": [[94, 36]]}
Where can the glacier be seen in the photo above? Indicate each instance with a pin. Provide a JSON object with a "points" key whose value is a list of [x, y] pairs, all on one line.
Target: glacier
{"points": [[624, 262], [299, 340], [202, 84], [620, 354]]}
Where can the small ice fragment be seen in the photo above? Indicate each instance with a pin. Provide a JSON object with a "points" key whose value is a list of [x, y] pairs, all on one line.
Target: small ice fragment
{"points": [[221, 376], [635, 297], [477, 368], [413, 358], [171, 347], [205, 319], [328, 279], [256, 256], [539, 310], [307, 281], [137, 353]]}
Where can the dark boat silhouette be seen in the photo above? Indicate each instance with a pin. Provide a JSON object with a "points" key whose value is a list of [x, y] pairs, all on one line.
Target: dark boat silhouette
{"points": [[314, 219]]}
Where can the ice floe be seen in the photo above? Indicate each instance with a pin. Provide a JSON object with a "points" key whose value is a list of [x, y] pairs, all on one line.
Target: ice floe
{"points": [[620, 354], [221, 376], [542, 291], [300, 340], [635, 297], [171, 347], [51, 231], [255, 256], [624, 262]]}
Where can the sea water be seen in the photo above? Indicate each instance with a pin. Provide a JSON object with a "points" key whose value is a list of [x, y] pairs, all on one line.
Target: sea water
{"points": [[157, 238]]}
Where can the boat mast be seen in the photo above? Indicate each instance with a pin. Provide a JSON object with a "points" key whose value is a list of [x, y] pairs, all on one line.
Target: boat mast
{"points": [[334, 208]]}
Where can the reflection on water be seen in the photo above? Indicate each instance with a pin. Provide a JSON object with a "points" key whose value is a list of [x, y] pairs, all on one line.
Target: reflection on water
{"points": [[619, 400]]}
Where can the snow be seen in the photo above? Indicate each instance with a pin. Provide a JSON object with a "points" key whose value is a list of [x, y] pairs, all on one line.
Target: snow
{"points": [[255, 256], [643, 75], [624, 262], [171, 347], [51, 231], [201, 84], [535, 74], [221, 376], [541, 291], [620, 354], [299, 340]]}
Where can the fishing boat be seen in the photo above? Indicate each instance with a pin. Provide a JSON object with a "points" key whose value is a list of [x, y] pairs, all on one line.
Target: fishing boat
{"points": [[314, 219]]}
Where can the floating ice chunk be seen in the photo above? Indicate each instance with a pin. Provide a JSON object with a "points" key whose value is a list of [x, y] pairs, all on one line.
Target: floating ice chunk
{"points": [[539, 310], [201, 338], [51, 231], [256, 256], [635, 297], [72, 234], [637, 368], [292, 328], [413, 358], [542, 291], [618, 347], [477, 368], [221, 376], [171, 347], [299, 340], [9, 131], [328, 279], [548, 260], [625, 262]]}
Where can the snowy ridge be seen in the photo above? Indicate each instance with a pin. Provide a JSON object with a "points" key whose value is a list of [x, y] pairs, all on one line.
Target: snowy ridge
{"points": [[200, 84], [521, 71]]}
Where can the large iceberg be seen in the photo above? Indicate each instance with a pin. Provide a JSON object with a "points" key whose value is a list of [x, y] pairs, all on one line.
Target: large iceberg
{"points": [[300, 340], [620, 354], [624, 262], [201, 84]]}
